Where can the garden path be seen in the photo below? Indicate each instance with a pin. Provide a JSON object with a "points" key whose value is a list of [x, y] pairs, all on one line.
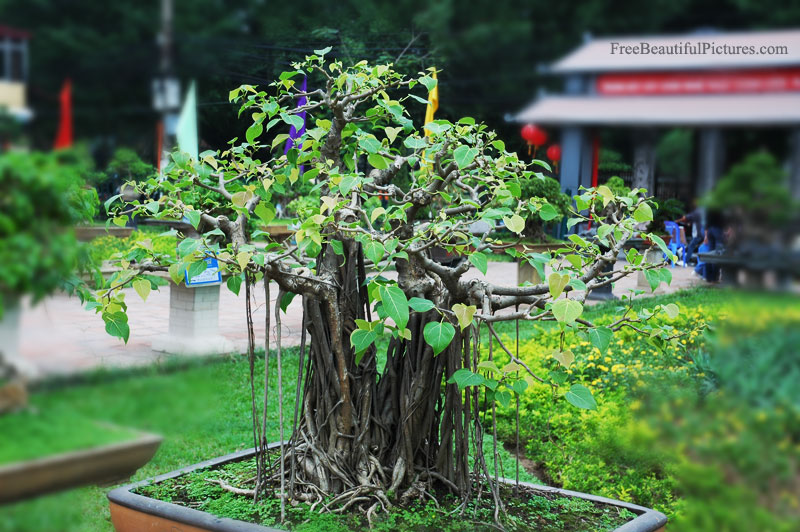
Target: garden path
{"points": [[60, 338]]}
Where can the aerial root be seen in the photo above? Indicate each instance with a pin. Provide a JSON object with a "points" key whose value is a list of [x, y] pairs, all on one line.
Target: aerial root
{"points": [[233, 489]]}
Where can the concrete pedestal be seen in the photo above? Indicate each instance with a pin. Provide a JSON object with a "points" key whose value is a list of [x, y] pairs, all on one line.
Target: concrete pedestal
{"points": [[527, 273], [193, 322], [10, 356]]}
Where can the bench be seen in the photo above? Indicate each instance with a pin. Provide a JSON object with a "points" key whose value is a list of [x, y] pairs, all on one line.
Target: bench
{"points": [[752, 269]]}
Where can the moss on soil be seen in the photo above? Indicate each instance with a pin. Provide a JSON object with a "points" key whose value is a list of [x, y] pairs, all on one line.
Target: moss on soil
{"points": [[530, 511]]}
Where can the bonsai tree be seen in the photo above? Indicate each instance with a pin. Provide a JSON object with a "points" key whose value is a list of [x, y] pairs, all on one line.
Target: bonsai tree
{"points": [[390, 399], [754, 195], [42, 197], [548, 189]]}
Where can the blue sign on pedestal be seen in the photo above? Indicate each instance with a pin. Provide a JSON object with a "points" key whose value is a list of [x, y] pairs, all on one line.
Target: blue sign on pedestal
{"points": [[211, 275]]}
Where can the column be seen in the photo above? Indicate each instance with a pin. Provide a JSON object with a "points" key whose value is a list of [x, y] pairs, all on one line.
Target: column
{"points": [[711, 157], [794, 164], [644, 160]]}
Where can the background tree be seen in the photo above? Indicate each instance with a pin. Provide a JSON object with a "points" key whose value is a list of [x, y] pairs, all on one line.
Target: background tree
{"points": [[392, 378]]}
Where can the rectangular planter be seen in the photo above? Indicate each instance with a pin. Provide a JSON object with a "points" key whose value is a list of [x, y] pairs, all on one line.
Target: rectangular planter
{"points": [[132, 513], [102, 465]]}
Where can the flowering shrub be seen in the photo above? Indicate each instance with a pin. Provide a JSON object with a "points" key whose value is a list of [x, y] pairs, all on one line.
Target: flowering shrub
{"points": [[685, 428]]}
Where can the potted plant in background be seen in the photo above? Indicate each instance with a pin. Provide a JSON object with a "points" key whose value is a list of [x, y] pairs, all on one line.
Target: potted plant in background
{"points": [[42, 197], [396, 395]]}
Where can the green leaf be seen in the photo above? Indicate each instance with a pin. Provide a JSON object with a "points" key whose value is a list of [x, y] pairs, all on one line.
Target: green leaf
{"points": [[480, 261], [253, 132], [643, 213], [360, 340], [605, 193], [234, 283], [265, 212], [240, 198], [580, 396], [109, 201], [557, 282], [117, 325], [378, 161], [515, 223], [176, 273], [395, 304], [414, 143], [503, 397], [565, 358], [464, 155], [464, 314], [142, 287], [374, 251], [420, 305], [188, 246], [548, 212], [653, 278], [196, 268], [193, 217], [337, 247], [666, 275], [601, 338], [243, 259], [438, 335], [347, 184], [567, 310], [391, 133], [672, 310], [370, 144], [519, 386], [293, 120], [429, 82], [464, 377], [286, 300]]}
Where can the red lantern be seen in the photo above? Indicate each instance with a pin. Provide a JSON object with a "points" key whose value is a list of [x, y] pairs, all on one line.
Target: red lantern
{"points": [[534, 136], [554, 153]]}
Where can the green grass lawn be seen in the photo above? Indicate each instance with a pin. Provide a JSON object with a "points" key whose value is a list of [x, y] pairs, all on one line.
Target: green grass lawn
{"points": [[202, 412], [33, 434]]}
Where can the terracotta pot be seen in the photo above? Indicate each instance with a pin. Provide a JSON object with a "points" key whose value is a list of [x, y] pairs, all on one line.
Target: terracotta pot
{"points": [[133, 513]]}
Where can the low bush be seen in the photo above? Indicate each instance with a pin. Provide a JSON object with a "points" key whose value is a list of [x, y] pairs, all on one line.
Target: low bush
{"points": [[707, 429]]}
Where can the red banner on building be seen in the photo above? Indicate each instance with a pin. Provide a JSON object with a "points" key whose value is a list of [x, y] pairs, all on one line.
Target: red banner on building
{"points": [[661, 83]]}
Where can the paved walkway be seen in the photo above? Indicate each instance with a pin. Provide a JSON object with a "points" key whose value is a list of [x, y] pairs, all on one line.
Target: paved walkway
{"points": [[59, 337]]}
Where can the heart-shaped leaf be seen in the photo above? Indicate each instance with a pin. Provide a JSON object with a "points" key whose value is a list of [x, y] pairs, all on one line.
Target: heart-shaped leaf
{"points": [[567, 310], [515, 223], [438, 335], [480, 261], [557, 282], [565, 358], [464, 314], [464, 155], [142, 287], [643, 213], [601, 338], [580, 396], [464, 377]]}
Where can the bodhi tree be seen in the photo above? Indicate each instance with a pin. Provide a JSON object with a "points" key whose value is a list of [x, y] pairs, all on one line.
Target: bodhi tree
{"points": [[393, 376]]}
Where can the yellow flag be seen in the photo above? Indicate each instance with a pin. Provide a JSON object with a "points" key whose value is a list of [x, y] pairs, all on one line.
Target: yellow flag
{"points": [[433, 104]]}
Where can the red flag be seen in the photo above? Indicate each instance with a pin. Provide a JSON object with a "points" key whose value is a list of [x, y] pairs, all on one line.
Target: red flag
{"points": [[64, 136]]}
